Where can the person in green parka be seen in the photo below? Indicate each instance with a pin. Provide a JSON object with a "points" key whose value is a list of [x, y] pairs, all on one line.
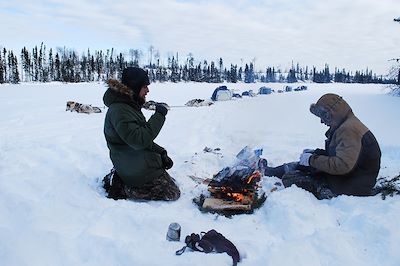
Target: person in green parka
{"points": [[140, 164]]}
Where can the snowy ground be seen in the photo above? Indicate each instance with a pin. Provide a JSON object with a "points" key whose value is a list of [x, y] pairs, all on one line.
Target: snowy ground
{"points": [[53, 211]]}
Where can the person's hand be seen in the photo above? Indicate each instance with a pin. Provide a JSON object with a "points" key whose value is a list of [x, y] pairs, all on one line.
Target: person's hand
{"points": [[308, 151], [305, 159], [166, 161], [162, 108]]}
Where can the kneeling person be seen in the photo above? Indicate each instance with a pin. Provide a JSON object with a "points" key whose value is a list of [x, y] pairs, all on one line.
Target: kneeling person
{"points": [[139, 163]]}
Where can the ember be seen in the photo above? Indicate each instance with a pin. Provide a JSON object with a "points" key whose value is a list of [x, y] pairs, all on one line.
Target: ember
{"points": [[236, 196]]}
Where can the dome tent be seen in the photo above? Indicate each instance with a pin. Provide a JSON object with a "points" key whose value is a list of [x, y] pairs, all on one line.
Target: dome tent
{"points": [[221, 94], [264, 90]]}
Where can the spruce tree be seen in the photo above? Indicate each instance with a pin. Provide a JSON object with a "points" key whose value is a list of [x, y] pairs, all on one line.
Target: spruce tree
{"points": [[57, 68], [5, 65], [51, 65], [1, 70], [16, 78]]}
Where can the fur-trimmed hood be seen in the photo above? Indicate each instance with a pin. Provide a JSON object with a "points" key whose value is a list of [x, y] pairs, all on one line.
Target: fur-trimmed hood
{"points": [[118, 87], [119, 93], [337, 107]]}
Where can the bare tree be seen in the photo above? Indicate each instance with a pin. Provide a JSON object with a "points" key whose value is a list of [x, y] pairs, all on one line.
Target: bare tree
{"points": [[397, 59], [151, 51]]}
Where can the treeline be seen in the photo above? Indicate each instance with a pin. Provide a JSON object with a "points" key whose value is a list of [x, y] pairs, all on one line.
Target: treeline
{"points": [[66, 65]]}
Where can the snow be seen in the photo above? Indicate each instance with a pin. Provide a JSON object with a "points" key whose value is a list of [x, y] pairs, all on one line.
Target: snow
{"points": [[54, 211]]}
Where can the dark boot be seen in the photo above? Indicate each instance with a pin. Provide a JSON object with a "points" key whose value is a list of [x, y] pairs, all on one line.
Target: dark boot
{"points": [[114, 186], [107, 181], [279, 171], [325, 193]]}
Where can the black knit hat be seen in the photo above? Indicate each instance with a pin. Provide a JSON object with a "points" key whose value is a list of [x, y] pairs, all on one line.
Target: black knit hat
{"points": [[135, 78]]}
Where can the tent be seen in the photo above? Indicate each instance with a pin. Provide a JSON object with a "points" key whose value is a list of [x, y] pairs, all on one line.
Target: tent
{"points": [[221, 94], [264, 90], [288, 88], [249, 93]]}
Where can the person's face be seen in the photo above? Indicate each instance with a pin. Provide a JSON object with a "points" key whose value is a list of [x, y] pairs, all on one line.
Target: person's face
{"points": [[143, 92]]}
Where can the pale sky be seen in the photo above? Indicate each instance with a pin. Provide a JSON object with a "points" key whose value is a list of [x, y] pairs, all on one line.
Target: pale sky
{"points": [[351, 34]]}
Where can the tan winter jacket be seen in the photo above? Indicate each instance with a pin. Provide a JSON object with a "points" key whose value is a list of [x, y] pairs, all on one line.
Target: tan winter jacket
{"points": [[352, 159]]}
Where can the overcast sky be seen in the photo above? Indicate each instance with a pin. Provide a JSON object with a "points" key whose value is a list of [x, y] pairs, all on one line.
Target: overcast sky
{"points": [[353, 34]]}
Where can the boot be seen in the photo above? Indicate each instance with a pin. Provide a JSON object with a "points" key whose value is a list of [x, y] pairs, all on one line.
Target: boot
{"points": [[116, 190]]}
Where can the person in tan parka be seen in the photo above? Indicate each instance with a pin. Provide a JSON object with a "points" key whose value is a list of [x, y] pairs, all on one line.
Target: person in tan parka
{"points": [[348, 165]]}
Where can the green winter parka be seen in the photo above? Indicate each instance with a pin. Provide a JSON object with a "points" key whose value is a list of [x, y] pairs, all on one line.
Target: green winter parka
{"points": [[130, 138]]}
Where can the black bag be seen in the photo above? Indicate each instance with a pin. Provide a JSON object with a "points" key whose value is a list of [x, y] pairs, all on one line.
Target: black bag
{"points": [[211, 241]]}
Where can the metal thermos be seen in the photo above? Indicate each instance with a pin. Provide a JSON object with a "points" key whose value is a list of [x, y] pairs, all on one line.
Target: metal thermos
{"points": [[174, 232]]}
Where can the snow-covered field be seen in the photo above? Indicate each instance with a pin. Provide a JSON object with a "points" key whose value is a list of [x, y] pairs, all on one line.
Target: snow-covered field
{"points": [[54, 212]]}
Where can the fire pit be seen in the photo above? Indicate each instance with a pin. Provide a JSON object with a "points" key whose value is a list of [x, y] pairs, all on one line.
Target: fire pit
{"points": [[233, 191]]}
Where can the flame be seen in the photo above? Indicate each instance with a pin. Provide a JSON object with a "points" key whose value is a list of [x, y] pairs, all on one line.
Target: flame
{"points": [[256, 175], [236, 196], [239, 195]]}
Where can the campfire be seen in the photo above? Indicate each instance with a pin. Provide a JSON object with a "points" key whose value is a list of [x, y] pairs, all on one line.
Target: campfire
{"points": [[238, 186], [233, 191]]}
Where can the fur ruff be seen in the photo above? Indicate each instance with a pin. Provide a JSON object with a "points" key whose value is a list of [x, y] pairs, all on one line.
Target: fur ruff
{"points": [[117, 86]]}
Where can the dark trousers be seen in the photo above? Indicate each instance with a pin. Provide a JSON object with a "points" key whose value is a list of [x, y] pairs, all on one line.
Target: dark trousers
{"points": [[160, 188], [295, 174]]}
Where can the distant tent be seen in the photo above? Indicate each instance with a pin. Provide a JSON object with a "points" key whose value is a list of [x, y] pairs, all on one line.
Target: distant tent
{"points": [[221, 94], [264, 90], [288, 88], [249, 93]]}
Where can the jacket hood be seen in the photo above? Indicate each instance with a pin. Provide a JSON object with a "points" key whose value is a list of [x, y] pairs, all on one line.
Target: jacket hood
{"points": [[118, 93], [334, 104]]}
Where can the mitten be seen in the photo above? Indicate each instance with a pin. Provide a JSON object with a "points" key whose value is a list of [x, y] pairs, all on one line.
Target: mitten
{"points": [[305, 159], [166, 161], [162, 108], [221, 244]]}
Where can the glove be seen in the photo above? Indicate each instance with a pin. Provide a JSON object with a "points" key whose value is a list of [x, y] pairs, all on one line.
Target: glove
{"points": [[305, 159], [220, 244], [162, 108], [308, 151], [211, 241], [166, 161]]}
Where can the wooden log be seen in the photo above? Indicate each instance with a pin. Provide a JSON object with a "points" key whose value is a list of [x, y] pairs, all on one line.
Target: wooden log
{"points": [[221, 204], [200, 180]]}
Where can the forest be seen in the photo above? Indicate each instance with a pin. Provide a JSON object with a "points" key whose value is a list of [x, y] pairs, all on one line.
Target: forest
{"points": [[67, 65]]}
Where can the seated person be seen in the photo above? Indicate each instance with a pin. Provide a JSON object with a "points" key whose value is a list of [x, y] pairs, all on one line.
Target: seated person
{"points": [[348, 165]]}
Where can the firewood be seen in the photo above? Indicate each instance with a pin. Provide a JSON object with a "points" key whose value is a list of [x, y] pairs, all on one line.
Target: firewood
{"points": [[200, 180], [221, 204]]}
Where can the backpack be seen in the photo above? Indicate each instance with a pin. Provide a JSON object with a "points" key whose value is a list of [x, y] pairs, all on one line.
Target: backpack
{"points": [[211, 241]]}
